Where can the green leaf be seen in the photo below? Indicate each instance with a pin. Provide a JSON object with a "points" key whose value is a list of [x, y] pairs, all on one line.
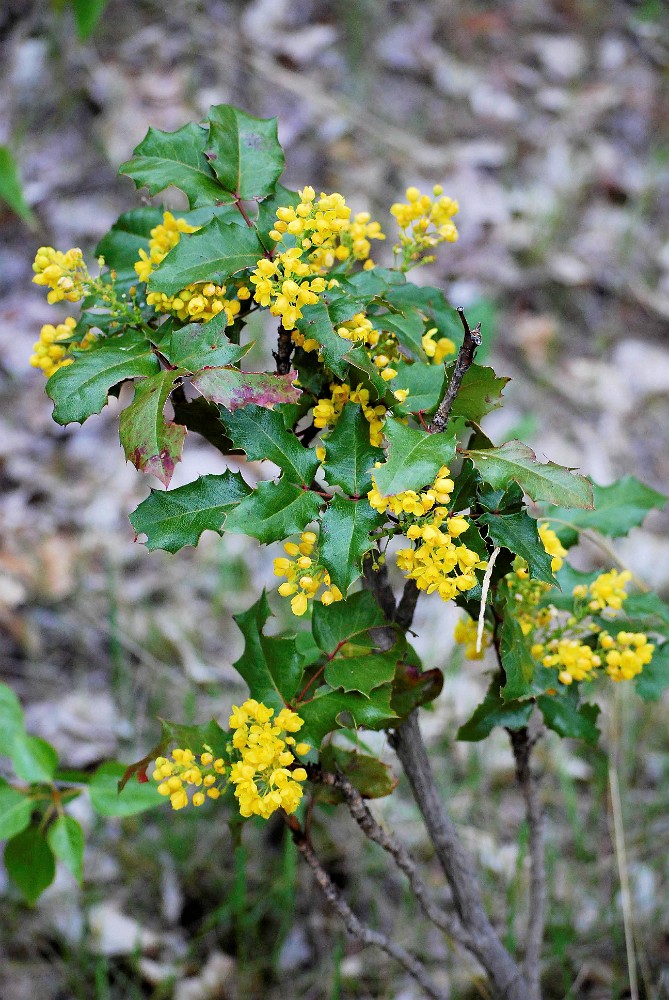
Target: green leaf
{"points": [[321, 322], [550, 482], [87, 13], [272, 667], [345, 537], [370, 776], [328, 710], [618, 508], [519, 534], [203, 345], [350, 458], [274, 511], [466, 483], [130, 233], [413, 687], [494, 712], [524, 676], [480, 392], [363, 672], [150, 442], [654, 678], [194, 738], [215, 253], [567, 718], [367, 284], [203, 418], [414, 458], [235, 389], [176, 158], [136, 797], [11, 191], [337, 623], [81, 389], [15, 810], [34, 759], [369, 375], [244, 152], [262, 435], [408, 327], [29, 863], [431, 303], [66, 839], [644, 613], [424, 382], [11, 719], [177, 518]]}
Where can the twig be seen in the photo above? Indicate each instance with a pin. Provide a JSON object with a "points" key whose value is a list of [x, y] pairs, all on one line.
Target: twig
{"points": [[484, 943], [484, 595], [407, 606], [284, 351], [372, 829], [463, 363], [353, 924], [522, 744]]}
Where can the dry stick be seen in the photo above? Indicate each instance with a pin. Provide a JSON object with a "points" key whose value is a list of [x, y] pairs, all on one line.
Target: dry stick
{"points": [[484, 943], [355, 927], [523, 744], [374, 831]]}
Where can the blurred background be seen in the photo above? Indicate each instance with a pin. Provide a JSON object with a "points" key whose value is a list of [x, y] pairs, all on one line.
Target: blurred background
{"points": [[548, 121]]}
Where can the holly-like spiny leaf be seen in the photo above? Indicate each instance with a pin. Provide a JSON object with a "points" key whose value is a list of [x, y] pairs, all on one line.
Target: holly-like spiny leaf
{"points": [[492, 712], [164, 159], [480, 392], [272, 667], [330, 710], [234, 389], [81, 389], [244, 152], [425, 384], [130, 233], [150, 442], [321, 321], [177, 518], [408, 326], [414, 458], [345, 537], [337, 623], [548, 482], [563, 714], [524, 676], [202, 345], [215, 253], [372, 778], [350, 458], [518, 533], [262, 434], [413, 687], [274, 511], [618, 508], [361, 672]]}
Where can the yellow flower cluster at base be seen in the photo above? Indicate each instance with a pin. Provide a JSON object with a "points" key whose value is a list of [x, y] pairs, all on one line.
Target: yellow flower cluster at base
{"points": [[410, 502], [327, 411], [607, 591], [262, 779], [184, 772], [304, 576], [440, 564], [195, 303], [465, 633], [437, 350], [424, 223], [65, 274], [51, 351], [553, 546], [626, 655]]}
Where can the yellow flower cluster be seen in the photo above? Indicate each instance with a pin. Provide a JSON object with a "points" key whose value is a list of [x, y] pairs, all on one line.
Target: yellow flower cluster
{"points": [[410, 502], [198, 302], [465, 633], [315, 234], [51, 351], [328, 410], [439, 563], [304, 576], [262, 779], [183, 772], [553, 546], [607, 591], [626, 655], [65, 274], [437, 350], [574, 660], [424, 223]]}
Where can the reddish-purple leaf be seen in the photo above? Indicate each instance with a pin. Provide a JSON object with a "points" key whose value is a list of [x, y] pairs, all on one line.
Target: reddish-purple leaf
{"points": [[234, 389], [150, 442]]}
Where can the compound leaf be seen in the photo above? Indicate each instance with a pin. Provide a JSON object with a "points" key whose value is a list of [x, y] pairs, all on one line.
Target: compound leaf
{"points": [[480, 392], [567, 718], [328, 710]]}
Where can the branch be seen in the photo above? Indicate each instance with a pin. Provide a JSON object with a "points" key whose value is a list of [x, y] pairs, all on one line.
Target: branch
{"points": [[405, 609], [374, 831], [523, 744], [353, 925], [463, 363], [484, 943], [284, 350]]}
